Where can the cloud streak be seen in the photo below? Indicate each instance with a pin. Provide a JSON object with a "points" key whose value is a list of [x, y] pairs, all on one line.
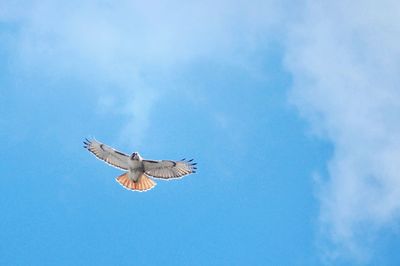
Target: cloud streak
{"points": [[122, 47], [345, 60]]}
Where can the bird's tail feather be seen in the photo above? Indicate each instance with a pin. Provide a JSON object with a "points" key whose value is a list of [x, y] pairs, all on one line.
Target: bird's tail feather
{"points": [[142, 184]]}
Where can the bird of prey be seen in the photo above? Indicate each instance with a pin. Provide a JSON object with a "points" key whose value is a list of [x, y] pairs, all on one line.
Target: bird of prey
{"points": [[137, 169]]}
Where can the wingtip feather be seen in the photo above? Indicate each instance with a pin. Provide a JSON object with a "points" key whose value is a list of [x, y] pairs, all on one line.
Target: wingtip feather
{"points": [[87, 143]]}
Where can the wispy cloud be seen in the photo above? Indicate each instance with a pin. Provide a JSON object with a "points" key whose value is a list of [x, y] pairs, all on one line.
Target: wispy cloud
{"points": [[344, 58], [126, 44]]}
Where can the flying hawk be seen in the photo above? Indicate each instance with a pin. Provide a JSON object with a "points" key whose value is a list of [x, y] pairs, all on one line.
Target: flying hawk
{"points": [[138, 170]]}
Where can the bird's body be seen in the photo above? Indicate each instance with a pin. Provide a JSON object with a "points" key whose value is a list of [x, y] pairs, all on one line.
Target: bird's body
{"points": [[137, 169]]}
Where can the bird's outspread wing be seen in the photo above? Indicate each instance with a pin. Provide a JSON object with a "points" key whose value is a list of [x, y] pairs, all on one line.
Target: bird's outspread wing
{"points": [[107, 154], [169, 169]]}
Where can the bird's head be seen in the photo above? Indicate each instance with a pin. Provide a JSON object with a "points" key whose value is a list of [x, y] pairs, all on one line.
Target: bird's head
{"points": [[135, 156]]}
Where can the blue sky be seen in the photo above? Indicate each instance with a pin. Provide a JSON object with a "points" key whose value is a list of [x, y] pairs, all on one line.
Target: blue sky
{"points": [[289, 108]]}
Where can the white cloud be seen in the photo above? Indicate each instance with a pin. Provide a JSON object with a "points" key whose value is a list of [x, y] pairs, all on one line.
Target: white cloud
{"points": [[126, 44], [345, 61]]}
